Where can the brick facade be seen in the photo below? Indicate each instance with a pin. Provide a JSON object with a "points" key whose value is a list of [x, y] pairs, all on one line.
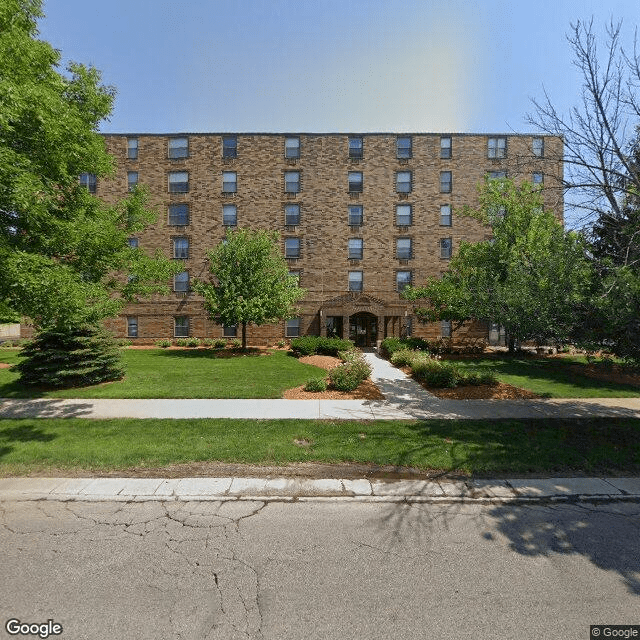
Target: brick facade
{"points": [[324, 167]]}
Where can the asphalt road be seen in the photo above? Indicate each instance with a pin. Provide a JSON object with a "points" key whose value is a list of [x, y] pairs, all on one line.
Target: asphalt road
{"points": [[319, 569]]}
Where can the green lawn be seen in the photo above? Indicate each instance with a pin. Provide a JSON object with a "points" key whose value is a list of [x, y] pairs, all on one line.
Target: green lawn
{"points": [[188, 373], [548, 377], [562, 446]]}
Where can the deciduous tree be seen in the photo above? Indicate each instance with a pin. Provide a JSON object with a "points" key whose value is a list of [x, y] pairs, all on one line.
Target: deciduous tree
{"points": [[251, 283], [528, 278]]}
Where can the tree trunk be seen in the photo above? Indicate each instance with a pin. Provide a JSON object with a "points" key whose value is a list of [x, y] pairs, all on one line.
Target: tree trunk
{"points": [[512, 344], [244, 336]]}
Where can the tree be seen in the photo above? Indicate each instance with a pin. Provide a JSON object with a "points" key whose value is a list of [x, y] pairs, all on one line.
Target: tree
{"points": [[602, 179], [59, 244], [528, 278], [252, 282]]}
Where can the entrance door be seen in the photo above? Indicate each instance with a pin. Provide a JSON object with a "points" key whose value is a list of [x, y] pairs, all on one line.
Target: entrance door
{"points": [[363, 329]]}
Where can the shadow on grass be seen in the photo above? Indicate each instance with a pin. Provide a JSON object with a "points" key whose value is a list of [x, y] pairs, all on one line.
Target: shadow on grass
{"points": [[23, 433]]}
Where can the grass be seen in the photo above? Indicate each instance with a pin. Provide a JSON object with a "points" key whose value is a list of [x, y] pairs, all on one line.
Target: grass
{"points": [[595, 445], [196, 373], [548, 377]]}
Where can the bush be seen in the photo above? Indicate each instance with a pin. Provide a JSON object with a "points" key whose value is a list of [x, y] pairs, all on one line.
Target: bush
{"points": [[390, 345], [82, 356], [349, 375], [236, 344], [402, 358], [163, 343], [193, 342], [316, 384], [182, 342], [436, 373], [123, 342], [219, 343], [309, 345], [281, 343]]}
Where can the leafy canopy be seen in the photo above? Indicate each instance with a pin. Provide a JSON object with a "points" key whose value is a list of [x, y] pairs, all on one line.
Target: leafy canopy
{"points": [[251, 284], [529, 277], [59, 244]]}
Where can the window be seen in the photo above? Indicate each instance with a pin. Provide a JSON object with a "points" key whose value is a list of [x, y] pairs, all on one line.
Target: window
{"points": [[538, 178], [229, 215], [292, 328], [403, 248], [292, 248], [229, 182], [445, 147], [537, 146], [355, 182], [292, 214], [133, 243], [445, 215], [445, 182], [355, 147], [181, 248], [181, 326], [292, 181], [178, 182], [230, 147], [178, 148], [497, 148], [403, 280], [178, 215], [497, 175], [403, 147], [404, 215], [355, 280], [355, 215], [229, 331], [132, 326], [445, 328], [446, 247], [132, 148], [292, 147], [181, 282], [89, 181], [132, 180], [355, 248], [403, 181]]}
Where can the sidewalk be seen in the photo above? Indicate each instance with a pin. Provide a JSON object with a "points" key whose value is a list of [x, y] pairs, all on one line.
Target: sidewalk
{"points": [[304, 489]]}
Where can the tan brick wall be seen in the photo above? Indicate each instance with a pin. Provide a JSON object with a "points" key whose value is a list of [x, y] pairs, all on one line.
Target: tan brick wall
{"points": [[324, 231]]}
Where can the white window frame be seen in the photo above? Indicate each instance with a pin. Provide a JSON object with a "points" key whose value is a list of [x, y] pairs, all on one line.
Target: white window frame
{"points": [[446, 147], [404, 252], [445, 215], [132, 323], [404, 151], [292, 181], [132, 148], [292, 214], [175, 184], [497, 147], [181, 252], [446, 186], [292, 147], [229, 182], [227, 219], [356, 181], [355, 284], [181, 330], [181, 282], [178, 148], [355, 248], [292, 248], [355, 221], [404, 181]]}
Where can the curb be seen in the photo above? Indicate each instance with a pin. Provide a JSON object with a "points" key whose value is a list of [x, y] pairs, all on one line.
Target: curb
{"points": [[321, 490]]}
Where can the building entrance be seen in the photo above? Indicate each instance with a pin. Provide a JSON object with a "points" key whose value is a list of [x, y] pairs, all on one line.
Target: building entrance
{"points": [[363, 329]]}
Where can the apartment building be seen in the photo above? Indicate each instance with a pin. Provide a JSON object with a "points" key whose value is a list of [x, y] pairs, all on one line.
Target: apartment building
{"points": [[360, 217]]}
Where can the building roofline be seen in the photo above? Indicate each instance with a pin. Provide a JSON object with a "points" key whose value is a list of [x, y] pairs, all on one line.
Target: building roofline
{"points": [[336, 133]]}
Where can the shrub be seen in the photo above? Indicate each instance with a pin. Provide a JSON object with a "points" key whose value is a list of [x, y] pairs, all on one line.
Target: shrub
{"points": [[402, 358], [345, 377], [281, 343], [182, 342], [437, 373], [193, 342], [82, 356], [123, 342], [349, 375], [390, 345], [309, 345], [316, 384], [163, 343], [236, 344], [219, 343]]}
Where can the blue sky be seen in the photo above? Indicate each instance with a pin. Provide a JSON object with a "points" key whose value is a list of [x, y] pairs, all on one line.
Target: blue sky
{"points": [[327, 65]]}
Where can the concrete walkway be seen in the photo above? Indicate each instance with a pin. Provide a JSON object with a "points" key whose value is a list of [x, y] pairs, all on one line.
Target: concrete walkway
{"points": [[279, 489], [405, 399]]}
